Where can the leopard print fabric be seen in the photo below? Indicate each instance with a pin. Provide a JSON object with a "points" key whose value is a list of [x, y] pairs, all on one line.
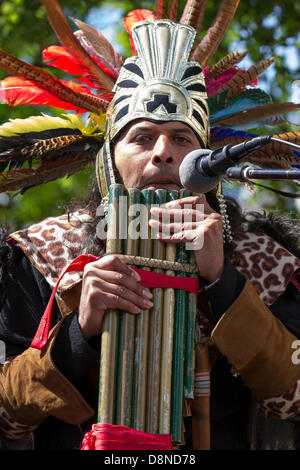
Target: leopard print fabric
{"points": [[53, 244], [285, 406], [11, 429], [267, 264]]}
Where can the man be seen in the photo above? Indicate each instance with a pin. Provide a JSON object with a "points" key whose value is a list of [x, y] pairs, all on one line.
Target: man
{"points": [[49, 397], [109, 283]]}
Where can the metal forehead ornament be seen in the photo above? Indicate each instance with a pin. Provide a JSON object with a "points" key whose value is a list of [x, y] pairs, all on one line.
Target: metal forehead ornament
{"points": [[160, 83]]}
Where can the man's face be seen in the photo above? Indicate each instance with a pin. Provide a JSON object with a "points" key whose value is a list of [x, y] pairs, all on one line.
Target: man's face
{"points": [[148, 155]]}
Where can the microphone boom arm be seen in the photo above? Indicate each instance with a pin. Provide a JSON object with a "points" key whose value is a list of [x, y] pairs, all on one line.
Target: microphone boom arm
{"points": [[248, 172]]}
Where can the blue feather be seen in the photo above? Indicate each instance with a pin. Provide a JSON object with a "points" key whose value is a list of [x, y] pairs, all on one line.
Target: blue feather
{"points": [[220, 106], [220, 133]]}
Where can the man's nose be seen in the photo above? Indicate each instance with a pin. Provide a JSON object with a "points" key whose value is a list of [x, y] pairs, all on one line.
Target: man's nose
{"points": [[161, 153]]}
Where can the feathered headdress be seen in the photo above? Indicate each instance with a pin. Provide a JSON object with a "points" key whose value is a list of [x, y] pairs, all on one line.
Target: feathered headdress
{"points": [[43, 148]]}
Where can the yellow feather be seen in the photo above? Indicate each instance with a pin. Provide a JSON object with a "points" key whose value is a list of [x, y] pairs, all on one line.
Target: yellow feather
{"points": [[41, 123]]}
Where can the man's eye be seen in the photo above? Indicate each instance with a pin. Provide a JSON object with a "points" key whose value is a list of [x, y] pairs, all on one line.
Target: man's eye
{"points": [[180, 139], [142, 139]]}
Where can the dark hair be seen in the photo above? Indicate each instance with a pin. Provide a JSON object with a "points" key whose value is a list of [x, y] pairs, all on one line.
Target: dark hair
{"points": [[282, 228]]}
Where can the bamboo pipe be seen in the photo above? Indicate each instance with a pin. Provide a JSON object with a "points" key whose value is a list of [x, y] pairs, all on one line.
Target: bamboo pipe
{"points": [[142, 328], [179, 360], [127, 329], [155, 334], [108, 356], [167, 341]]}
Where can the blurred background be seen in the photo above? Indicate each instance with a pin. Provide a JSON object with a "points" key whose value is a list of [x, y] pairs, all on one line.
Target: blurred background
{"points": [[264, 29]]}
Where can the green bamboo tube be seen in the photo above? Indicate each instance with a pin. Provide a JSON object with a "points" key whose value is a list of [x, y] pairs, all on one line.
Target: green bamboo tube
{"points": [[142, 328], [155, 335], [108, 356], [189, 368], [167, 342], [127, 331], [181, 305]]}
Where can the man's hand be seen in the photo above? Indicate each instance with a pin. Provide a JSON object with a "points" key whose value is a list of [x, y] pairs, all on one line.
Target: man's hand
{"points": [[192, 220], [109, 284]]}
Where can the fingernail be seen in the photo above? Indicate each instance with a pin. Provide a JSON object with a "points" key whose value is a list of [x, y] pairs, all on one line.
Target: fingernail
{"points": [[148, 304], [136, 275], [137, 309], [147, 293]]}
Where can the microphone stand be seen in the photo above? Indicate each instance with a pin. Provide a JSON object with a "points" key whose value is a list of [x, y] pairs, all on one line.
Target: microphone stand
{"points": [[248, 172]]}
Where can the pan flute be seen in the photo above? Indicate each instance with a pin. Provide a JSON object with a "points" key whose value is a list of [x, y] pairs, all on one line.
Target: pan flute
{"points": [[147, 360]]}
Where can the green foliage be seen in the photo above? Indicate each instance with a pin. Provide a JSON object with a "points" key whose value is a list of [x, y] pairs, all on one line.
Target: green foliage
{"points": [[263, 28]]}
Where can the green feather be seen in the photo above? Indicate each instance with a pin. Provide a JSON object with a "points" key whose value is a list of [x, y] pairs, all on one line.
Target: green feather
{"points": [[219, 105]]}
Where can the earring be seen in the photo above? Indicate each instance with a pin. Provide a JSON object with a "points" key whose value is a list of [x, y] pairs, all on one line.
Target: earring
{"points": [[227, 234]]}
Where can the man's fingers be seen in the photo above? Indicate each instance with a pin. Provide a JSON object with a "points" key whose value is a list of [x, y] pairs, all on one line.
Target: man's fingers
{"points": [[172, 227], [113, 263], [192, 201], [115, 285], [118, 296], [189, 214], [190, 232], [124, 280]]}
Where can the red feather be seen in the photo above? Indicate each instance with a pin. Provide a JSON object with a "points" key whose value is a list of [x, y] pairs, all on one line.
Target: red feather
{"points": [[134, 17], [60, 58], [18, 91]]}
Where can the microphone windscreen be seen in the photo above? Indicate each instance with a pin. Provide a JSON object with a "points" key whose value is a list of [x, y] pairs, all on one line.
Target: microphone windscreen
{"points": [[191, 176]]}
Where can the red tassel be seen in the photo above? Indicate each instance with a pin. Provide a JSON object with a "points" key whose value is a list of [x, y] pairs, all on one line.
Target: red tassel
{"points": [[113, 437]]}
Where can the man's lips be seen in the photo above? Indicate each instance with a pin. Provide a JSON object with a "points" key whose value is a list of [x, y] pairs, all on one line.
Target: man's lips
{"points": [[162, 184], [168, 186]]}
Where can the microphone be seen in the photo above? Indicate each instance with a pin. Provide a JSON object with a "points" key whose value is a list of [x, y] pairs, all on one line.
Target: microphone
{"points": [[202, 169]]}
